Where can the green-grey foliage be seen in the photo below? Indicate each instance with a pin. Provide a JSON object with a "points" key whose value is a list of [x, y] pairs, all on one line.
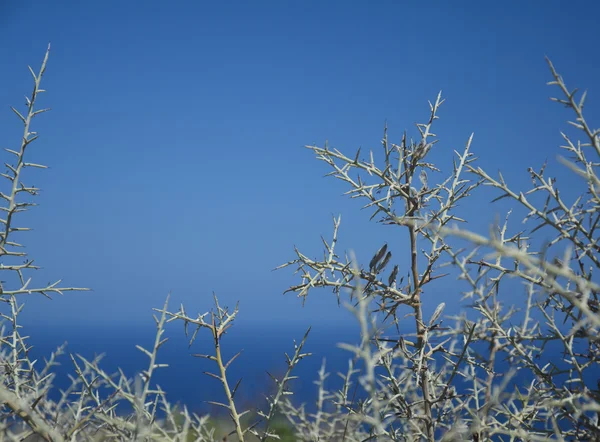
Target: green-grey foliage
{"points": [[440, 382]]}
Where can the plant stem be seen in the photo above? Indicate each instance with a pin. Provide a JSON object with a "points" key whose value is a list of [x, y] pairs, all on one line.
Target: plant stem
{"points": [[421, 332], [223, 372]]}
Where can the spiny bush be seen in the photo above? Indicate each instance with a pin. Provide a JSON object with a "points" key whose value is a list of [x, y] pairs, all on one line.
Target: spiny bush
{"points": [[442, 381]]}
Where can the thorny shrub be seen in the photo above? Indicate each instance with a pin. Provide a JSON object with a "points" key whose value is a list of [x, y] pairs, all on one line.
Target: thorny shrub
{"points": [[436, 383]]}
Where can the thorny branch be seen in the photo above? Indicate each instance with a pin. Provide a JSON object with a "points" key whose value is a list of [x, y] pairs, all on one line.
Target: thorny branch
{"points": [[420, 394], [440, 380]]}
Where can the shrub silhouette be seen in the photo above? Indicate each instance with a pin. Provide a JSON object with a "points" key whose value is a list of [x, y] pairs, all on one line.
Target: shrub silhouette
{"points": [[444, 381]]}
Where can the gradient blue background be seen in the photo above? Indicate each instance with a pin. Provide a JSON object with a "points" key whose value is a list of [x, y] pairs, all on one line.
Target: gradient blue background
{"points": [[177, 129]]}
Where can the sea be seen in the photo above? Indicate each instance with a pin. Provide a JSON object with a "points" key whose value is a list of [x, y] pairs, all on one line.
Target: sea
{"points": [[262, 347], [263, 353]]}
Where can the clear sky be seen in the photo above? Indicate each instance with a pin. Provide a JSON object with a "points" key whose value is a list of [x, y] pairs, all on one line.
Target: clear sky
{"points": [[177, 131]]}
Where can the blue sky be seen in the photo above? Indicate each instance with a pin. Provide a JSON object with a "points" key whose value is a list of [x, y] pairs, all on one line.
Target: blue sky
{"points": [[177, 131]]}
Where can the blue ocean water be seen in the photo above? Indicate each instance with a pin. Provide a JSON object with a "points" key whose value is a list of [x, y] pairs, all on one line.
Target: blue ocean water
{"points": [[262, 349], [184, 380]]}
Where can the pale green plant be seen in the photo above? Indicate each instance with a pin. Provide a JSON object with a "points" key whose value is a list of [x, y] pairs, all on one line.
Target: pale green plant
{"points": [[418, 395], [440, 381]]}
